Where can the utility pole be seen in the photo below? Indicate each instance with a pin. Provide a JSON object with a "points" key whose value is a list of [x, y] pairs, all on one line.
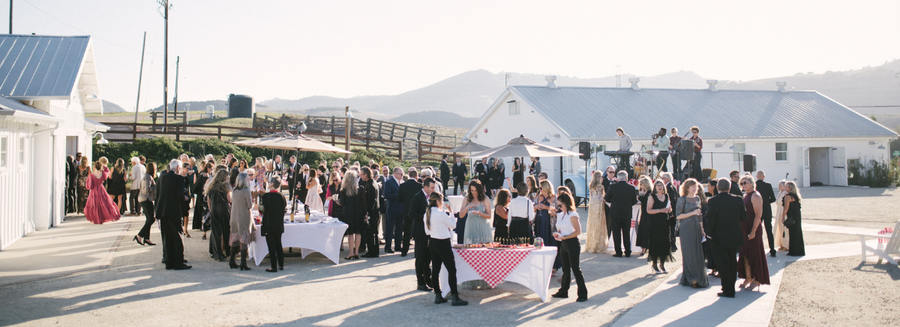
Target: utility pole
{"points": [[137, 105], [10, 16], [166, 6], [175, 101], [348, 119]]}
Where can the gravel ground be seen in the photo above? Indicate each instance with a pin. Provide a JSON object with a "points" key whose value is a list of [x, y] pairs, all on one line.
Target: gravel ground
{"points": [[137, 290]]}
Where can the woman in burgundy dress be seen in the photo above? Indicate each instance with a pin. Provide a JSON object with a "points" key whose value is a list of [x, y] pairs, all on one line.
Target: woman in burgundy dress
{"points": [[99, 207], [752, 264]]}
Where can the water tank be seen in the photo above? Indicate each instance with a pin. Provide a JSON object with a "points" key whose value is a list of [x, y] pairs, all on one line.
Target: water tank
{"points": [[240, 106]]}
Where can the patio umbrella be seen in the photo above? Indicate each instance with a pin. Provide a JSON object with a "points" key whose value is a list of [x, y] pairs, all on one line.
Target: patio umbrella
{"points": [[469, 147], [288, 141], [524, 147]]}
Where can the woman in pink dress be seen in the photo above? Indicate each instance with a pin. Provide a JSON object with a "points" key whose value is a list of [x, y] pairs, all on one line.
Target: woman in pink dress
{"points": [[99, 207]]}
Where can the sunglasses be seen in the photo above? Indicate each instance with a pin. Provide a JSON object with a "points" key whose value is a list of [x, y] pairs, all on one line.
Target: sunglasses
{"points": [[744, 183]]}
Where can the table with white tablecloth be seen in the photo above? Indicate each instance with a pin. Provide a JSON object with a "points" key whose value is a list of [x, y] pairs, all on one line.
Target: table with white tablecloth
{"points": [[528, 267], [325, 238]]}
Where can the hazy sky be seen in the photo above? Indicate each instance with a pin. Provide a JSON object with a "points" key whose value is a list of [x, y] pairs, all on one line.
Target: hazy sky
{"points": [[294, 49]]}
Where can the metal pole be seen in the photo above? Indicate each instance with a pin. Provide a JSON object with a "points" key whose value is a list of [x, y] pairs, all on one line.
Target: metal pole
{"points": [[140, 75], [175, 100], [10, 16], [347, 132], [165, 4]]}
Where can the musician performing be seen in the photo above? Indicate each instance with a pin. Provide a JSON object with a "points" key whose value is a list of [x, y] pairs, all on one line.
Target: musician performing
{"points": [[659, 150], [624, 153]]}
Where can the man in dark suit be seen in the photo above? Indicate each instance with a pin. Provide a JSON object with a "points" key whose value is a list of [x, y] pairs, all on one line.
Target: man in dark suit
{"points": [[290, 172], [481, 173], [673, 194], [735, 177], [407, 190], [445, 173], [726, 211], [417, 207], [168, 212], [71, 180], [302, 178], [768, 197], [459, 175], [621, 197], [370, 203], [279, 166], [393, 230]]}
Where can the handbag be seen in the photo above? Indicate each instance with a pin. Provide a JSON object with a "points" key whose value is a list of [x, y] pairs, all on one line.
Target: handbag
{"points": [[678, 221], [789, 222]]}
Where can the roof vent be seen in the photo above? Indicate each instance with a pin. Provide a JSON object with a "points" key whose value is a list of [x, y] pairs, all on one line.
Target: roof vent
{"points": [[551, 81], [781, 86], [712, 85], [634, 83]]}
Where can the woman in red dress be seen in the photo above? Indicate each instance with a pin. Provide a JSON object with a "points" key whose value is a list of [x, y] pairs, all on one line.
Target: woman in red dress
{"points": [[99, 207], [752, 264]]}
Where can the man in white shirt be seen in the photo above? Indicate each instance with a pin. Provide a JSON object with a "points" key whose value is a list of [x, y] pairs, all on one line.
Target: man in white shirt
{"points": [[660, 147], [521, 217], [137, 174]]}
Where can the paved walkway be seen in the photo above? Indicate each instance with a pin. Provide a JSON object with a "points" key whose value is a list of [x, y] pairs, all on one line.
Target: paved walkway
{"points": [[74, 246], [671, 304]]}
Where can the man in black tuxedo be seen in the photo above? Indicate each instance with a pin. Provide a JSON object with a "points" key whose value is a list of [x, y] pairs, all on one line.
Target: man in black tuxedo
{"points": [[290, 172], [168, 212], [726, 211], [408, 190], [673, 194], [302, 178], [445, 173], [71, 180], [735, 177], [621, 197], [768, 197], [481, 173], [370, 204], [279, 166], [459, 175], [417, 207]]}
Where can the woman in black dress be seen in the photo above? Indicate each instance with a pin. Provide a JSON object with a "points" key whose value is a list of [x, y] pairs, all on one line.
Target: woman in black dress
{"points": [[116, 185], [353, 212], [792, 210], [272, 206], [518, 175], [499, 175], [501, 214], [200, 179], [491, 175], [645, 187], [658, 208], [84, 170], [218, 200]]}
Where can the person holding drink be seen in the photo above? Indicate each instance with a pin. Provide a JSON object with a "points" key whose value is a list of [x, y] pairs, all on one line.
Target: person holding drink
{"points": [[568, 228], [439, 225]]}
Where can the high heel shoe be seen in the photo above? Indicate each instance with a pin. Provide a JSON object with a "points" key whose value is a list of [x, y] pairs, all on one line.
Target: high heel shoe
{"points": [[356, 257], [655, 270], [138, 240], [244, 268], [147, 242], [754, 285]]}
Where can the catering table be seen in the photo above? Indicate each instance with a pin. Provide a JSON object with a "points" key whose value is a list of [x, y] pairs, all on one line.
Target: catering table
{"points": [[324, 238], [528, 267]]}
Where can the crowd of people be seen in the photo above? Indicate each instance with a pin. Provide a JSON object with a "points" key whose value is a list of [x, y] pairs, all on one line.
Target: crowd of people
{"points": [[712, 227]]}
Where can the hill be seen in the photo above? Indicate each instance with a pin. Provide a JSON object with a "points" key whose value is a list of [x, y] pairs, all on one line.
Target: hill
{"points": [[109, 107], [441, 118]]}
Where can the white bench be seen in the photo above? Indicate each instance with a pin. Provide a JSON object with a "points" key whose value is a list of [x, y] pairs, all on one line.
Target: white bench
{"points": [[892, 246]]}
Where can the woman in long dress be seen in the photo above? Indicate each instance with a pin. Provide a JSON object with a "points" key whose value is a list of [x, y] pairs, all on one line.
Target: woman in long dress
{"points": [[689, 212], [645, 188], [792, 210], [657, 227], [354, 214], [99, 207], [782, 235], [543, 223], [518, 175], [476, 208], [218, 200], [753, 266], [116, 185], [597, 235], [241, 234], [200, 179], [313, 199], [84, 170]]}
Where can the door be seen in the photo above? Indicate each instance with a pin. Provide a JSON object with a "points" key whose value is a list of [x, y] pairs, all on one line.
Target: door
{"points": [[838, 167], [805, 167]]}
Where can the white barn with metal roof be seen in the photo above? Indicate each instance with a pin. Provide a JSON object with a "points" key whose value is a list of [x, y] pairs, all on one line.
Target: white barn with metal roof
{"points": [[47, 83], [801, 133]]}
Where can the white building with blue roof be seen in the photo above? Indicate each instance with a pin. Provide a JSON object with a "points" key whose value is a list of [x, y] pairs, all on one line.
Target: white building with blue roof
{"points": [[803, 135], [47, 84]]}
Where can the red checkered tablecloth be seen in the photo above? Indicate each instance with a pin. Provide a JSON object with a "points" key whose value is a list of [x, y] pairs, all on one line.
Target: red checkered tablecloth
{"points": [[493, 265]]}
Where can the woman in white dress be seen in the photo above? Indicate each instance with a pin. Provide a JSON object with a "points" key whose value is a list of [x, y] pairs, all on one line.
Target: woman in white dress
{"points": [[782, 238], [313, 200]]}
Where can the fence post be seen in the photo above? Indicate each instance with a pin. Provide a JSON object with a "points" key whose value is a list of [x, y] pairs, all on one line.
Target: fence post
{"points": [[400, 150], [220, 132], [133, 132], [367, 144]]}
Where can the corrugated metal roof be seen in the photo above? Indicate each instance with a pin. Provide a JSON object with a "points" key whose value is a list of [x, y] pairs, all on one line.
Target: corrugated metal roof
{"points": [[585, 111], [40, 66], [9, 106]]}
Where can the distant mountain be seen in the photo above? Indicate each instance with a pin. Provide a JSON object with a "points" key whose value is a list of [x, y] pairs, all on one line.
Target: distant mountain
{"points": [[109, 107], [440, 118]]}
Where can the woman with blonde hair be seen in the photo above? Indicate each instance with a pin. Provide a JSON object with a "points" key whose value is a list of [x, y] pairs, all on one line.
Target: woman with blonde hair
{"points": [[543, 223], [241, 231], [99, 207], [792, 211], [597, 235], [782, 235], [752, 262], [218, 200], [116, 184], [645, 188], [350, 200]]}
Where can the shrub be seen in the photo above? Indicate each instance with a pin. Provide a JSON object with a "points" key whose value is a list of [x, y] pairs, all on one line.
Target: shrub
{"points": [[873, 173]]}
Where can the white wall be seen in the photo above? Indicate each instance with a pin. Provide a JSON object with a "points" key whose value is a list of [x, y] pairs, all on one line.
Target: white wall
{"points": [[15, 186]]}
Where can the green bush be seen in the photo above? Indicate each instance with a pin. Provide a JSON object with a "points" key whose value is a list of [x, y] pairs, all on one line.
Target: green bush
{"points": [[873, 173]]}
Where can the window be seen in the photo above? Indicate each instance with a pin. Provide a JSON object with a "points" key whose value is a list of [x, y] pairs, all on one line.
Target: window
{"points": [[21, 150], [781, 152], [739, 150], [4, 148], [513, 107]]}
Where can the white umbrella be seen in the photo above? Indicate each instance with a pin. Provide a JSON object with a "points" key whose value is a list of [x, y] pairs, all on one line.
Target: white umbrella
{"points": [[288, 141], [469, 147], [524, 147]]}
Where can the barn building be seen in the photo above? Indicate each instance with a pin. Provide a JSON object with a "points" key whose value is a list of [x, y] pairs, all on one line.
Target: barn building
{"points": [[803, 135], [47, 83]]}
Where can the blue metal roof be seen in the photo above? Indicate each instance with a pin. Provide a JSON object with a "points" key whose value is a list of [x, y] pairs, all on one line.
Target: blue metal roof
{"points": [[40, 66], [585, 111], [10, 106]]}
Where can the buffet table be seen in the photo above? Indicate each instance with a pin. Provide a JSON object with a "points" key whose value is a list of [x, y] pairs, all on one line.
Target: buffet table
{"points": [[324, 238], [528, 267]]}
